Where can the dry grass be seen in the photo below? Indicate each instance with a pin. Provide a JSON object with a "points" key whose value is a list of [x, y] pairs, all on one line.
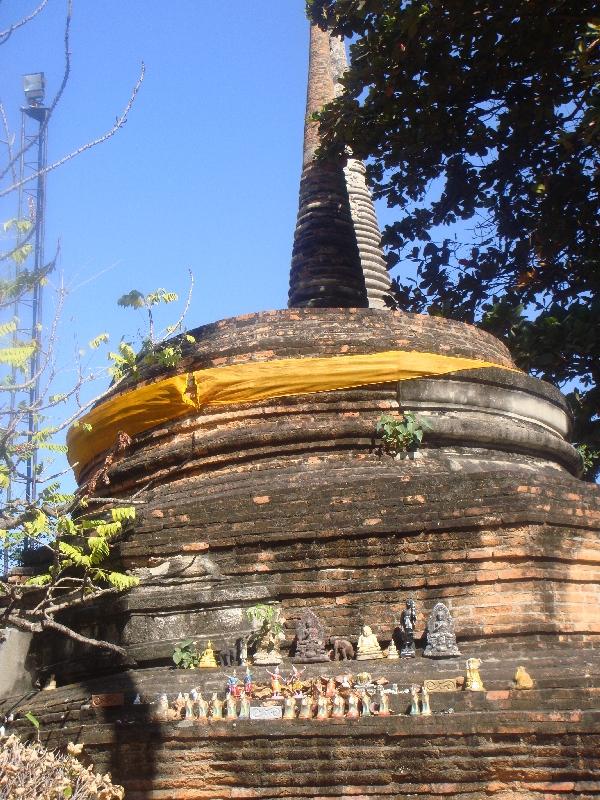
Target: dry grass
{"points": [[30, 771]]}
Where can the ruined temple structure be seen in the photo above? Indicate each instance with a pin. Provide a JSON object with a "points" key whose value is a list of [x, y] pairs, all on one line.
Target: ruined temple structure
{"points": [[264, 481]]}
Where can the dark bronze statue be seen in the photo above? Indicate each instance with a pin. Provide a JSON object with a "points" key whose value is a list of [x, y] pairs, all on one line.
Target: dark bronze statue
{"points": [[310, 639], [408, 621]]}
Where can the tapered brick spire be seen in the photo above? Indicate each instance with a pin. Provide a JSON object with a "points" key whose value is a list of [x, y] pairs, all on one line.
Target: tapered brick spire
{"points": [[337, 259]]}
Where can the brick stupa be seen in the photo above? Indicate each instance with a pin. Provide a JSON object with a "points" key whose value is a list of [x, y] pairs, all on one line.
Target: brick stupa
{"points": [[292, 501]]}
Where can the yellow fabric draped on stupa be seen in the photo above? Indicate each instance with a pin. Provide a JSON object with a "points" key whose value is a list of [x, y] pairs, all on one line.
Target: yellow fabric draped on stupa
{"points": [[145, 407]]}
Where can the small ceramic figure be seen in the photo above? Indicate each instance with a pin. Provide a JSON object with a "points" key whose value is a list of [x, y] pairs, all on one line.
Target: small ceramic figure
{"points": [[425, 707], [368, 646], [269, 639], [202, 708], [408, 621], [392, 651], [523, 679], [345, 681], [233, 684], [244, 706], [275, 684], [294, 682], [248, 686], [415, 711], [216, 707], [338, 706], [289, 708], [162, 708], [208, 659], [137, 700], [179, 705], [352, 706], [310, 639], [473, 681], [189, 706], [323, 709], [441, 639], [342, 649], [231, 712], [243, 652], [305, 707], [365, 704], [364, 679], [383, 702]]}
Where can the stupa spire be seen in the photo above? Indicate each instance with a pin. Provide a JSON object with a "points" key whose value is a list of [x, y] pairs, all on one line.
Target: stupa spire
{"points": [[337, 259]]}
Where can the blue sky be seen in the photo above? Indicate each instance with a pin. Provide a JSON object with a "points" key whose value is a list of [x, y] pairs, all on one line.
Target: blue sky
{"points": [[205, 173]]}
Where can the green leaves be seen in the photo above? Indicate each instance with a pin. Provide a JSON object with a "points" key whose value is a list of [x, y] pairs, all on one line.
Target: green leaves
{"points": [[481, 124], [186, 655], [132, 299], [401, 435], [135, 299], [95, 343]]}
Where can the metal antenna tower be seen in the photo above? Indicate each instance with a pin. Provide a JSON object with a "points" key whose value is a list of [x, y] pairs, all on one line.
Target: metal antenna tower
{"points": [[32, 206]]}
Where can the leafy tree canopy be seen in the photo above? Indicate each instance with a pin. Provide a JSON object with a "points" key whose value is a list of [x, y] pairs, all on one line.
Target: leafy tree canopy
{"points": [[481, 123]]}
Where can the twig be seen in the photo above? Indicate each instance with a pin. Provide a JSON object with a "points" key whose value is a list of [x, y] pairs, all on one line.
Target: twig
{"points": [[119, 122], [5, 35], [186, 307], [55, 101]]}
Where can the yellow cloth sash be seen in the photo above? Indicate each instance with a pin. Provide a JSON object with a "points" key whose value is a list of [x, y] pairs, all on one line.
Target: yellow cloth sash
{"points": [[147, 406]]}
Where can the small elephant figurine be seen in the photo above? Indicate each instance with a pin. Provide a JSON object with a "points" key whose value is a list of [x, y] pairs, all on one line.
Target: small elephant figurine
{"points": [[342, 649], [227, 656]]}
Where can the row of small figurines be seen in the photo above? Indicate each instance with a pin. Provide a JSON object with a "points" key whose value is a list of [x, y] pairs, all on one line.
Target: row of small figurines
{"points": [[192, 706]]}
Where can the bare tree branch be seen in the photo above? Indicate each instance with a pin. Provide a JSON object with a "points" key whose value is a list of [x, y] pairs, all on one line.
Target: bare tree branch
{"points": [[5, 35], [53, 104], [119, 122]]}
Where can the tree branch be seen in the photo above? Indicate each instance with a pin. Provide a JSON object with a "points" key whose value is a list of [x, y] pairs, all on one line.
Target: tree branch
{"points": [[5, 35], [119, 122]]}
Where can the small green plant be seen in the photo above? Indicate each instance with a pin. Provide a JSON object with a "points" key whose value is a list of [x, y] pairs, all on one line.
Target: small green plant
{"points": [[186, 655], [154, 350], [270, 632], [589, 459], [402, 435]]}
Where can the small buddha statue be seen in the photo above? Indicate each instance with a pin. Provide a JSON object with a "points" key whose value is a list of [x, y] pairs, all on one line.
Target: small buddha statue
{"points": [[523, 679], [473, 682], [207, 659], [289, 708], [330, 689], [338, 706], [441, 639], [368, 646], [392, 651], [310, 639], [415, 711], [425, 707]]}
